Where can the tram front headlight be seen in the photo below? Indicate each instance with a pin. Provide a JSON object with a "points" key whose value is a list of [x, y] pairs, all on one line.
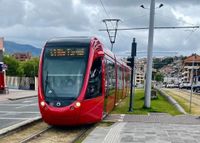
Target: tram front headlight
{"points": [[42, 103], [78, 104]]}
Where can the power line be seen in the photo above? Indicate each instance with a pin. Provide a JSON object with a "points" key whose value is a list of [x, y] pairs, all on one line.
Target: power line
{"points": [[114, 27], [158, 27], [112, 37], [104, 8], [106, 12], [190, 34]]}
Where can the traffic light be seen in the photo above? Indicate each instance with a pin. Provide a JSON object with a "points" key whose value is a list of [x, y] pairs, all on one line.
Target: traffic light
{"points": [[129, 62]]}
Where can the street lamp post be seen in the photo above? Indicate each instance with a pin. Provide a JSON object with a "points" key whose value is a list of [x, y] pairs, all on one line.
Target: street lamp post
{"points": [[192, 75], [147, 103]]}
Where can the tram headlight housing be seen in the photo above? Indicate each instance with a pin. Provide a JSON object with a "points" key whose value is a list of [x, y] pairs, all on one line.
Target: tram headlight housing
{"points": [[77, 104], [42, 103]]}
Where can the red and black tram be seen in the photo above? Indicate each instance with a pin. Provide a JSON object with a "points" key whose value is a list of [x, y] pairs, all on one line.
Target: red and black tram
{"points": [[80, 81]]}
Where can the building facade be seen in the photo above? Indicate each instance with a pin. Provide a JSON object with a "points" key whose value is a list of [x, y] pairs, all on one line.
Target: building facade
{"points": [[140, 69], [1, 49], [191, 63], [22, 56]]}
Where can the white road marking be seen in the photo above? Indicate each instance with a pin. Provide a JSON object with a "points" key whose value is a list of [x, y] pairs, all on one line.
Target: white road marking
{"points": [[25, 112], [27, 105], [17, 104], [27, 101], [14, 118]]}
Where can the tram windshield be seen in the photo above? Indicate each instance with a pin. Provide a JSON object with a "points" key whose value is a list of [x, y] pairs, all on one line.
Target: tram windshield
{"points": [[63, 72]]}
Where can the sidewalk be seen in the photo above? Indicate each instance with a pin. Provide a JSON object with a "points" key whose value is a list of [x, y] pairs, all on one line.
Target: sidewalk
{"points": [[148, 129], [15, 94]]}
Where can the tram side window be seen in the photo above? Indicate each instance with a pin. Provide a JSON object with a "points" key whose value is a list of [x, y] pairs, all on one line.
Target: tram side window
{"points": [[94, 84], [119, 75], [110, 78]]}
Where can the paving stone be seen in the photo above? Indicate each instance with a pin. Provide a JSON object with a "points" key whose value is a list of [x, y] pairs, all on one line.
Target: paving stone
{"points": [[153, 132], [127, 138]]}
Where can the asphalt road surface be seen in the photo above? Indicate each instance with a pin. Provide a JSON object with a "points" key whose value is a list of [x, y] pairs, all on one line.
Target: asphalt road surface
{"points": [[14, 112]]}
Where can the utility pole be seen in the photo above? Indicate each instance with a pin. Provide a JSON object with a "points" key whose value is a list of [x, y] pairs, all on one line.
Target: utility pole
{"points": [[133, 54], [147, 102], [192, 74]]}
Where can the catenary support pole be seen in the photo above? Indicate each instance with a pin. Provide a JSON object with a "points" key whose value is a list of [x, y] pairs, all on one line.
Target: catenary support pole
{"points": [[147, 103]]}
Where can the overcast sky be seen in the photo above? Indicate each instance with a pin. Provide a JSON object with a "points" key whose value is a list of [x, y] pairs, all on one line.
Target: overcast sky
{"points": [[35, 21]]}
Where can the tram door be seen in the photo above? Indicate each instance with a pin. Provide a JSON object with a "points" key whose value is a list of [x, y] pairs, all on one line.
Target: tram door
{"points": [[94, 97]]}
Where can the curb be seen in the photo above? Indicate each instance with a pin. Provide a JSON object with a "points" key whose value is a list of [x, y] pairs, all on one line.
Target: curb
{"points": [[18, 98], [19, 125], [172, 101]]}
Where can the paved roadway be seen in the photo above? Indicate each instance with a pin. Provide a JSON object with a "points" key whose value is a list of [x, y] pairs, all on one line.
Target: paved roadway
{"points": [[16, 111]]}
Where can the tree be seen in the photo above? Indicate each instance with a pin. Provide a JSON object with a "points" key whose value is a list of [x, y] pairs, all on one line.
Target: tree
{"points": [[12, 64], [159, 63], [31, 67], [26, 68], [159, 77]]}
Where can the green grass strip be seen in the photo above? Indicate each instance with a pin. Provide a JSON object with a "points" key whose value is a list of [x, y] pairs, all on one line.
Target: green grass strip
{"points": [[159, 105]]}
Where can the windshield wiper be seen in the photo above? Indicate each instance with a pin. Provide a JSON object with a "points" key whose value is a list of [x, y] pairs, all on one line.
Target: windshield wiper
{"points": [[46, 81], [47, 84]]}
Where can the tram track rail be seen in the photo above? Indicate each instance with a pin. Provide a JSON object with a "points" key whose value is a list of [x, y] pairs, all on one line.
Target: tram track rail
{"points": [[186, 96], [61, 135], [40, 132], [35, 135], [196, 95]]}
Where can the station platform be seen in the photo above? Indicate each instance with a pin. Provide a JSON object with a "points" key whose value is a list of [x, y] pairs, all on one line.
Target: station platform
{"points": [[155, 128]]}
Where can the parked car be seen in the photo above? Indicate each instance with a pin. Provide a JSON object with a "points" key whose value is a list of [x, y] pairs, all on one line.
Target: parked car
{"points": [[185, 85], [170, 85], [196, 88]]}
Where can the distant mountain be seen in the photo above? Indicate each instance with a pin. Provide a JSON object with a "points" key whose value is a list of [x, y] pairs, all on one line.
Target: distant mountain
{"points": [[12, 47]]}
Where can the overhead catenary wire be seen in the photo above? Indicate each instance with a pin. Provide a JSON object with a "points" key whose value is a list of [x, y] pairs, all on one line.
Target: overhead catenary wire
{"points": [[156, 27], [112, 37], [109, 16], [104, 8], [144, 28], [106, 12]]}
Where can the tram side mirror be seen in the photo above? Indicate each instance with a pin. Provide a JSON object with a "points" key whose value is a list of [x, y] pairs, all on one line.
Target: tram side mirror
{"points": [[100, 53]]}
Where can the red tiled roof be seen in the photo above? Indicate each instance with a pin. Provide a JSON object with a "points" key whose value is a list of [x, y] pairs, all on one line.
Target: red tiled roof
{"points": [[1, 43], [190, 59]]}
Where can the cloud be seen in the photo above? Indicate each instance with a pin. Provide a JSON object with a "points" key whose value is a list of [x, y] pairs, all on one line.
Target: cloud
{"points": [[34, 22], [11, 13]]}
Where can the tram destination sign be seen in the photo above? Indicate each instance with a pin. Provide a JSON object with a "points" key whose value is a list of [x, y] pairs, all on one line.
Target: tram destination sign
{"points": [[67, 52]]}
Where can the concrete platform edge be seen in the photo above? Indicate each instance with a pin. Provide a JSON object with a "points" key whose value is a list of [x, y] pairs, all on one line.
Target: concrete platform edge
{"points": [[172, 101], [18, 98]]}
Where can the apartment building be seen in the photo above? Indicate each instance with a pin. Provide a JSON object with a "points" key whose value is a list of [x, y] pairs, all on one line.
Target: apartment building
{"points": [[22, 56], [191, 63]]}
